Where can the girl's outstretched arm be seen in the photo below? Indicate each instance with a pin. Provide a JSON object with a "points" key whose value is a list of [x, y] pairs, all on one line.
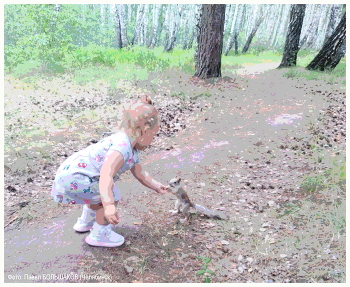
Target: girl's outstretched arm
{"points": [[144, 178]]}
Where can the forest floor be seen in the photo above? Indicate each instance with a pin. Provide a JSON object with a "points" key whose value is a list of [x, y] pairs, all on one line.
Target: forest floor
{"points": [[267, 150]]}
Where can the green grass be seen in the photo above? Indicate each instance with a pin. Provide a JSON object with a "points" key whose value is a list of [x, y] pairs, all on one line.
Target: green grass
{"points": [[95, 62], [250, 59]]}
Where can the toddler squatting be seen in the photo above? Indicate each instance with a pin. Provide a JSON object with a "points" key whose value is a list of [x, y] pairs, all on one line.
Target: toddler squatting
{"points": [[88, 176]]}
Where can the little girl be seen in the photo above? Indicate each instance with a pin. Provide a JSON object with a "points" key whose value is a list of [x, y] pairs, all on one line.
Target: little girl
{"points": [[87, 177]]}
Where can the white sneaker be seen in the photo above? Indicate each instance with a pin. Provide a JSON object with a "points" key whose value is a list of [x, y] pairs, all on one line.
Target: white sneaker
{"points": [[102, 235], [83, 226], [86, 220]]}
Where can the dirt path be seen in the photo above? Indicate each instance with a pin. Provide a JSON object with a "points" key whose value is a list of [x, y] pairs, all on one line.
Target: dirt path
{"points": [[244, 151]]}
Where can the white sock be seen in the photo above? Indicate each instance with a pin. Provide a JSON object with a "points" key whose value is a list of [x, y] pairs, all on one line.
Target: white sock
{"points": [[88, 213]]}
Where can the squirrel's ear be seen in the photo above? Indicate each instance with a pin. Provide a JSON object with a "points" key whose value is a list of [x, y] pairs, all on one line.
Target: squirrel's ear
{"points": [[179, 180]]}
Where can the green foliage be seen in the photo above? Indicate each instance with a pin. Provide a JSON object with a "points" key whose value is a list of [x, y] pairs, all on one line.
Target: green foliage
{"points": [[205, 271], [337, 76], [334, 176], [240, 60]]}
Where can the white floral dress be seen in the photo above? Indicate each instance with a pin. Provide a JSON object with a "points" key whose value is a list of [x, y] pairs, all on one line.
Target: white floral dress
{"points": [[77, 179]]}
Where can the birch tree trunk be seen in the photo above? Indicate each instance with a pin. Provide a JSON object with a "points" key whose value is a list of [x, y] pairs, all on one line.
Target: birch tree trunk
{"points": [[187, 15], [139, 24], [233, 15], [251, 35], [238, 28], [278, 16], [162, 18], [291, 47], [122, 18], [154, 35], [332, 51], [167, 23], [309, 35], [118, 34], [210, 41], [335, 9], [143, 26], [177, 12], [197, 18], [312, 36], [283, 25]]}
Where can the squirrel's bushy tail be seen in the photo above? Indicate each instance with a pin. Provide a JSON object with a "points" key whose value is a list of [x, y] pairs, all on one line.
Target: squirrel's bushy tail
{"points": [[210, 213]]}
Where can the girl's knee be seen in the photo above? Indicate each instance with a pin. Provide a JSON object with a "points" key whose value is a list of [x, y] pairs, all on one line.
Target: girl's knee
{"points": [[95, 206], [99, 205]]}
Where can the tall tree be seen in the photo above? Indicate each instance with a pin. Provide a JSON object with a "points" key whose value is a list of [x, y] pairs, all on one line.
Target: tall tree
{"points": [[174, 26], [230, 39], [291, 47], [154, 38], [139, 27], [252, 33], [334, 11], [210, 41], [122, 18], [197, 18], [187, 15], [332, 50], [118, 33]]}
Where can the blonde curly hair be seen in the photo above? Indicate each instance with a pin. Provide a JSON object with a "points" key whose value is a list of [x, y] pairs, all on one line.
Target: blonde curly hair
{"points": [[136, 115]]}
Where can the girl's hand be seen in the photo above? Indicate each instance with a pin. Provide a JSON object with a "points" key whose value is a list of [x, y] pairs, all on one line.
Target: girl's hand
{"points": [[111, 214], [162, 189]]}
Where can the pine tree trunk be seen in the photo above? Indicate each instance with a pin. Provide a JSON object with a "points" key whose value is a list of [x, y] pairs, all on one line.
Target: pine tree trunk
{"points": [[210, 41], [332, 51], [291, 47]]}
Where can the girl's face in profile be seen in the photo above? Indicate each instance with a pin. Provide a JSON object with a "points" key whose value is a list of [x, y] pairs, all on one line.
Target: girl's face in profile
{"points": [[146, 139]]}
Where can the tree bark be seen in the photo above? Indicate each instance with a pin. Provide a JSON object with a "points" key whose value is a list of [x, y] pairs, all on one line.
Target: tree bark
{"points": [[251, 36], [118, 34], [332, 21], [154, 36], [167, 22], [139, 24], [122, 18], [230, 39], [197, 18], [177, 12], [332, 51], [187, 15], [210, 41], [291, 47], [283, 25]]}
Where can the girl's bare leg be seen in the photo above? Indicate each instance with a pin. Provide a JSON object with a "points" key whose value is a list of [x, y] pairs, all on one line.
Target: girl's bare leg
{"points": [[100, 216]]}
